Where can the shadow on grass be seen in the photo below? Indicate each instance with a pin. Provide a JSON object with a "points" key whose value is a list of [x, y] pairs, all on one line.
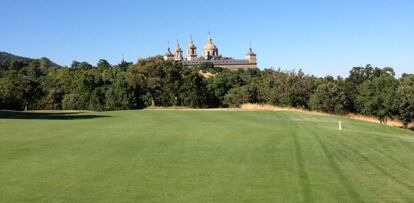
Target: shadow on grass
{"points": [[6, 114]]}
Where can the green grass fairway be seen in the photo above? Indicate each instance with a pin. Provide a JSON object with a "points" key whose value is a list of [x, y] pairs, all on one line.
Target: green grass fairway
{"points": [[202, 156]]}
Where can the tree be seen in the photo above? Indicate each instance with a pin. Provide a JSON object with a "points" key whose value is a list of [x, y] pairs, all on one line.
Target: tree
{"points": [[376, 97], [237, 96], [291, 88], [41, 84], [75, 64], [54, 84], [85, 66], [124, 65], [10, 96], [118, 96], [329, 97], [103, 64], [18, 91], [147, 81], [192, 91], [357, 76], [405, 100], [219, 85]]}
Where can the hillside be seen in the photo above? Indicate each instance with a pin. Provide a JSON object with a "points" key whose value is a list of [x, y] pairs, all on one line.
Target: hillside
{"points": [[7, 58], [201, 156]]}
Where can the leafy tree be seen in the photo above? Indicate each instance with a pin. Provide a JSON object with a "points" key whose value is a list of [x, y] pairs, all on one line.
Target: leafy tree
{"points": [[219, 85], [376, 97], [103, 64], [145, 76], [124, 65], [75, 64], [237, 96], [286, 88], [18, 91], [85, 66], [10, 96], [329, 97], [192, 91], [405, 99], [270, 87], [54, 86], [357, 76], [40, 84]]}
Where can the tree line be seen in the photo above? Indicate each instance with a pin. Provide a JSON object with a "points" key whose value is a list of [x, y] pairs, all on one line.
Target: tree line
{"points": [[37, 85]]}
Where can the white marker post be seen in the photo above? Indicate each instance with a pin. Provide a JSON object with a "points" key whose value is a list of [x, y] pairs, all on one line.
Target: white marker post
{"points": [[340, 125]]}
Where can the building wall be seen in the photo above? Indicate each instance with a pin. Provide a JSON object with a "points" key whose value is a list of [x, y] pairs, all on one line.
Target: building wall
{"points": [[232, 66], [237, 66]]}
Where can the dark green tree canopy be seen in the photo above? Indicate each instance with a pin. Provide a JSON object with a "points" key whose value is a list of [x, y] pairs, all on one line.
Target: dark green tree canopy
{"points": [[40, 84]]}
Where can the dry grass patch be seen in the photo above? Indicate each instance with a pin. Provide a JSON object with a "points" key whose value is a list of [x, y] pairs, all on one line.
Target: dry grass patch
{"points": [[206, 74], [268, 107], [390, 122]]}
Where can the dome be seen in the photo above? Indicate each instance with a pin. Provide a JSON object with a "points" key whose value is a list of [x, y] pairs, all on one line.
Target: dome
{"points": [[210, 49], [210, 46]]}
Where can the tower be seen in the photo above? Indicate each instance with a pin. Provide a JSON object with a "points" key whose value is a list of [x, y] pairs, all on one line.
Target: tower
{"points": [[210, 49], [178, 53], [251, 56], [191, 50]]}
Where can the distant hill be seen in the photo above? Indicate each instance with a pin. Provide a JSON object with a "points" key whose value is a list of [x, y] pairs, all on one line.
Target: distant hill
{"points": [[7, 59]]}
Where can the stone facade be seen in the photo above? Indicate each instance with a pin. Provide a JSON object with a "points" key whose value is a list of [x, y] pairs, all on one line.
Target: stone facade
{"points": [[210, 54]]}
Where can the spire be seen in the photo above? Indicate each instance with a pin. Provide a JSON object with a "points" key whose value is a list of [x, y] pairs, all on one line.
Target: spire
{"points": [[178, 52], [168, 49], [191, 44], [178, 48], [178, 45], [251, 53], [191, 50]]}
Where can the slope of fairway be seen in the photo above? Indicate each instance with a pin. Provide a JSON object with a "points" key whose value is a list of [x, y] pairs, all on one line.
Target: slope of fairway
{"points": [[202, 156]]}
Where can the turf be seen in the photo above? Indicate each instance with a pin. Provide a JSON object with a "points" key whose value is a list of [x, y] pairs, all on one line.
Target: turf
{"points": [[202, 156]]}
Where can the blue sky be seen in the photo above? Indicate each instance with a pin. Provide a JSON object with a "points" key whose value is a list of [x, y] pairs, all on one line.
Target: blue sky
{"points": [[320, 37]]}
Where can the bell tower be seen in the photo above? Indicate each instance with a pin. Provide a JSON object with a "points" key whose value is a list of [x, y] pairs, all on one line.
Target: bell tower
{"points": [[178, 53], [251, 57], [191, 50]]}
